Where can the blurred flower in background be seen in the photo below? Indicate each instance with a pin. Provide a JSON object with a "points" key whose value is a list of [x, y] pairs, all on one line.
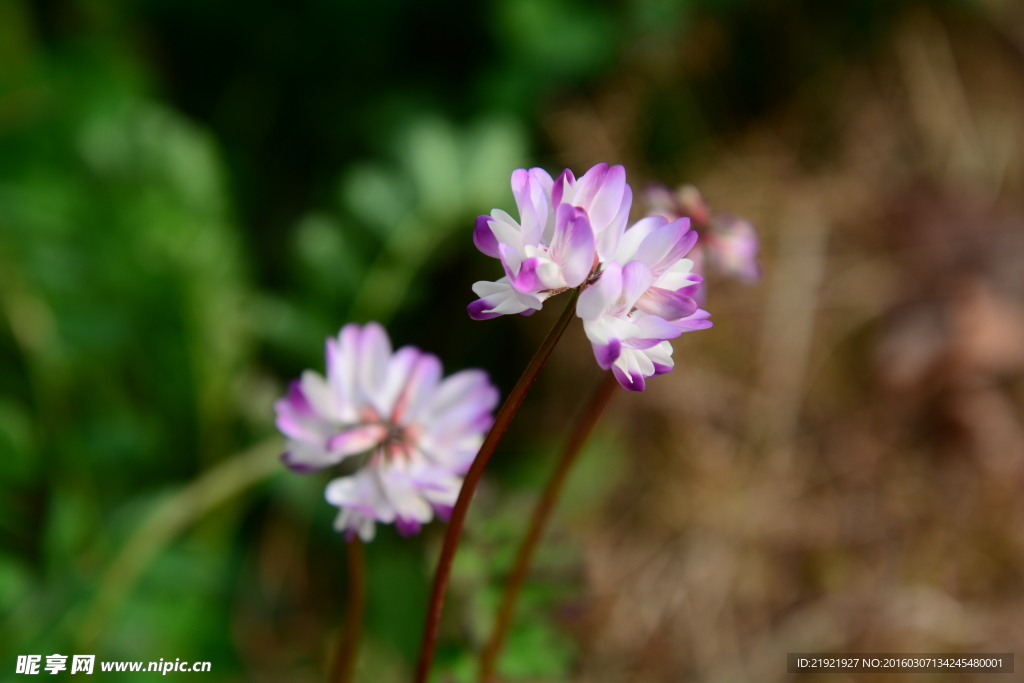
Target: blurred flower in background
{"points": [[418, 433], [728, 244]]}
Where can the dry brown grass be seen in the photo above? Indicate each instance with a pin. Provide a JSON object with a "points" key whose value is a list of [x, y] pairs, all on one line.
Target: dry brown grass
{"points": [[837, 464]]}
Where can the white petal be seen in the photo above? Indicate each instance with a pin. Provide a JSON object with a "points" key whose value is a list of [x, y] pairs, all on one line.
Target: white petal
{"points": [[419, 389], [597, 298], [677, 276], [374, 353], [634, 236], [506, 230], [462, 387], [342, 370], [319, 395], [395, 378], [303, 456]]}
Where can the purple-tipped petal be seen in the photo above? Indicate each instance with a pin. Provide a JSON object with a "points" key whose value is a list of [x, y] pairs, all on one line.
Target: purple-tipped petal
{"points": [[573, 245], [501, 298], [697, 321], [666, 245], [692, 289], [607, 200], [481, 310], [295, 401], [298, 418], [660, 369], [483, 237], [565, 178], [295, 428], [407, 527], [511, 260], [589, 185], [651, 327], [443, 512], [289, 461], [606, 354], [629, 383], [666, 304], [305, 457], [527, 280]]}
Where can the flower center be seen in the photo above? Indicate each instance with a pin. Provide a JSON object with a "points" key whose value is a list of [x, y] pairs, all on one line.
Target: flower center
{"points": [[396, 435]]}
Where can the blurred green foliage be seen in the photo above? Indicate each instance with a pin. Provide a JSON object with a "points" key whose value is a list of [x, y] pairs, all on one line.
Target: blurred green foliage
{"points": [[193, 195]]}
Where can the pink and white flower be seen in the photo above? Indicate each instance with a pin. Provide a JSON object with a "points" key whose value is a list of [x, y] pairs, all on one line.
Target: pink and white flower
{"points": [[415, 434], [637, 285], [549, 249], [565, 228], [533, 271], [732, 247]]}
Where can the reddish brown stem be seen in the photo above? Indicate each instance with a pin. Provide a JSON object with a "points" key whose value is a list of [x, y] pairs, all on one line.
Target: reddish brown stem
{"points": [[348, 646], [577, 439], [458, 518]]}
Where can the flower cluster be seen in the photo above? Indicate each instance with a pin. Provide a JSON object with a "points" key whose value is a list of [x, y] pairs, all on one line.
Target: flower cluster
{"points": [[637, 284], [416, 433], [413, 434], [727, 243]]}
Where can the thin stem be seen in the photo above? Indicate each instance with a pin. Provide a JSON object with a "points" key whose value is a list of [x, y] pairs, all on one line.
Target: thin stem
{"points": [[192, 502], [469, 484], [348, 646], [577, 439]]}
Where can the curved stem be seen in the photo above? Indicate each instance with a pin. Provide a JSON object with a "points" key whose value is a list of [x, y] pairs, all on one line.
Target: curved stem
{"points": [[458, 517], [348, 647], [211, 489], [577, 439]]}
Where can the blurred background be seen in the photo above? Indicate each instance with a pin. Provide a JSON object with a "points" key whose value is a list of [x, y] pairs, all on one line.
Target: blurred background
{"points": [[193, 195]]}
